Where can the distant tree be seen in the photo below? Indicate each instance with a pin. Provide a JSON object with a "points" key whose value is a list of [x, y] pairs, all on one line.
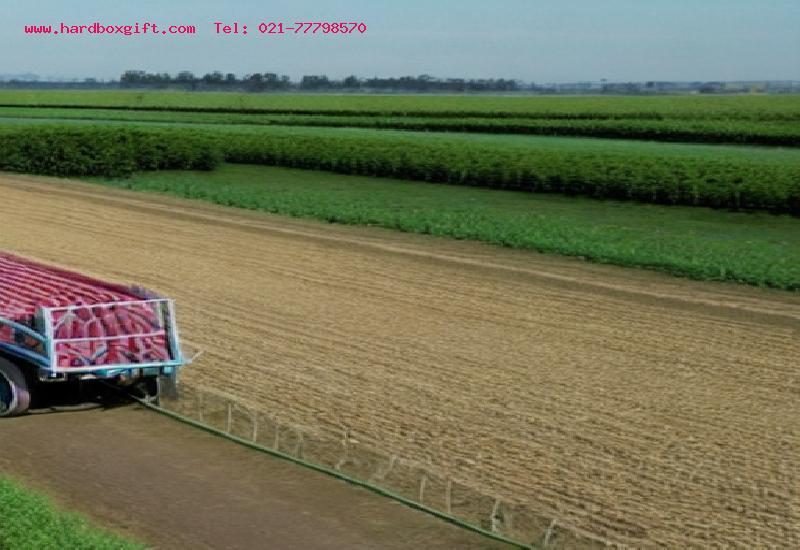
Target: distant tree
{"points": [[131, 78], [270, 81], [314, 82], [254, 82], [213, 78]]}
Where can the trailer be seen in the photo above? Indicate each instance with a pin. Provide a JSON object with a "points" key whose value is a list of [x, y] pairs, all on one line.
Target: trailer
{"points": [[57, 326]]}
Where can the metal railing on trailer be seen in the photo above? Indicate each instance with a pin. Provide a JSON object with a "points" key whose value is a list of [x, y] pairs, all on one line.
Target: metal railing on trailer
{"points": [[41, 346]]}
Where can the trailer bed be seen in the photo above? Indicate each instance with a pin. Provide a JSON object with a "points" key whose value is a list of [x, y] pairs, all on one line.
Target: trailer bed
{"points": [[26, 285], [85, 323]]}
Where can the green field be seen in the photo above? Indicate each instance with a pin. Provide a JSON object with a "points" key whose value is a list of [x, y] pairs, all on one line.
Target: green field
{"points": [[716, 131], [753, 108], [760, 249], [698, 175], [31, 522], [753, 120], [570, 190]]}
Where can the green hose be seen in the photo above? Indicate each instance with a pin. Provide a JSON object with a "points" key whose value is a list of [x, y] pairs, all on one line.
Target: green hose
{"points": [[336, 474]]}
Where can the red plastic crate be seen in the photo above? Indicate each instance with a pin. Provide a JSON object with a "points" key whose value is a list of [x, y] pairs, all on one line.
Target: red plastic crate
{"points": [[25, 286]]}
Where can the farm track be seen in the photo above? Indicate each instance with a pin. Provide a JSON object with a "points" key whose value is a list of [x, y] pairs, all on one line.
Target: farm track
{"points": [[638, 408], [172, 486]]}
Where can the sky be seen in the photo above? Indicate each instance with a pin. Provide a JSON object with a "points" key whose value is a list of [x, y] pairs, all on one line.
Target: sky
{"points": [[532, 40]]}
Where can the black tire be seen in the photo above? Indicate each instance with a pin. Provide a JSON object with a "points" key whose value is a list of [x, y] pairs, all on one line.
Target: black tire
{"points": [[15, 398]]}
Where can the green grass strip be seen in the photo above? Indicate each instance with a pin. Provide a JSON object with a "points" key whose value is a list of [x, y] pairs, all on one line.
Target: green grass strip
{"points": [[29, 521], [701, 243]]}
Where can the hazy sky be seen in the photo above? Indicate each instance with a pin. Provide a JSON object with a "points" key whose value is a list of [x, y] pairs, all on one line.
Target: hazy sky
{"points": [[534, 40]]}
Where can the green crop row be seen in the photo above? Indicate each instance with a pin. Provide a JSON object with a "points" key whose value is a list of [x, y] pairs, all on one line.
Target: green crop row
{"points": [[736, 132], [666, 174], [755, 248], [752, 108], [106, 151], [716, 131], [730, 177]]}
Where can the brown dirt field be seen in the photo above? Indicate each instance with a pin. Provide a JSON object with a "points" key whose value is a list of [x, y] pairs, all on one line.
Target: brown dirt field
{"points": [[634, 407], [172, 486]]}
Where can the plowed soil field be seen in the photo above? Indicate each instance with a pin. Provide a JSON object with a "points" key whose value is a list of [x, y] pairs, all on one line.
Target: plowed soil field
{"points": [[633, 407]]}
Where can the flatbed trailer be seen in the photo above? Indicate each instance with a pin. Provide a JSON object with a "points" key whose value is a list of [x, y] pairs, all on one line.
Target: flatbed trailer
{"points": [[59, 326]]}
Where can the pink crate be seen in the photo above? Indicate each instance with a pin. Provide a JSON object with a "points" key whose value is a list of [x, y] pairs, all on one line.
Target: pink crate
{"points": [[26, 286]]}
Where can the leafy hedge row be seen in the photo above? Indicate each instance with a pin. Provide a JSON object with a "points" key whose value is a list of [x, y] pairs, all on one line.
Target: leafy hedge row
{"points": [[667, 174], [102, 151], [730, 131], [698, 131], [740, 133], [742, 108], [668, 178]]}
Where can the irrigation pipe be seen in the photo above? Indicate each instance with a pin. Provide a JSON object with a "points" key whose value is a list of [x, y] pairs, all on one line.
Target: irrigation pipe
{"points": [[334, 473]]}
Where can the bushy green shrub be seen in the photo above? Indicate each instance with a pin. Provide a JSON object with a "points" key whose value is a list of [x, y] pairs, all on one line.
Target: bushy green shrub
{"points": [[664, 173], [733, 132], [668, 178], [102, 151]]}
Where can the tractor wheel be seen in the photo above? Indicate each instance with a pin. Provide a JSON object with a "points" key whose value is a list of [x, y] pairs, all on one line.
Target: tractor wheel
{"points": [[14, 395]]}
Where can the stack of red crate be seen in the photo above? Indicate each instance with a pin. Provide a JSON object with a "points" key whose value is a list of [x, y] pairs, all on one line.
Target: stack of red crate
{"points": [[87, 335]]}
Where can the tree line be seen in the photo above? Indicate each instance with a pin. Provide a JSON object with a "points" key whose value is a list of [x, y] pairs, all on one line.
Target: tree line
{"points": [[260, 82]]}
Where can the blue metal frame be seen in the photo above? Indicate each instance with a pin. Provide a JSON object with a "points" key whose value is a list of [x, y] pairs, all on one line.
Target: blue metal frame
{"points": [[24, 353], [46, 362]]}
